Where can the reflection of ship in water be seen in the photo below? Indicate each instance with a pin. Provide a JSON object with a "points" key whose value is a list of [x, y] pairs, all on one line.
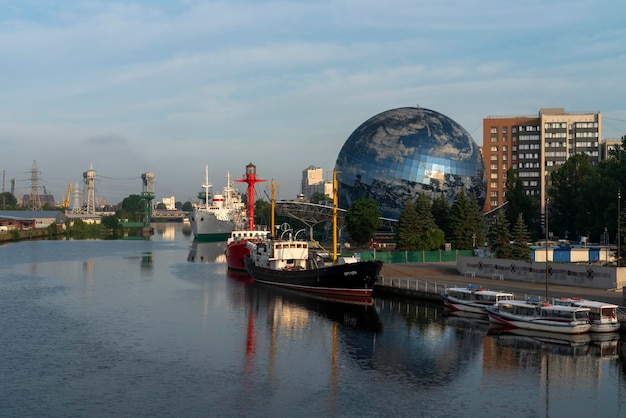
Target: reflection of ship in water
{"points": [[567, 344], [276, 317], [605, 344], [357, 313], [469, 320], [207, 252]]}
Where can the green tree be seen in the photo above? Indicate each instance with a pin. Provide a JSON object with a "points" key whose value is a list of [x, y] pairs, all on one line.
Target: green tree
{"points": [[440, 209], [7, 201], [161, 205], [479, 231], [568, 196], [499, 237], [132, 208], [406, 234], [262, 213], [518, 202], [318, 197], [520, 249], [430, 236], [467, 222], [362, 219], [187, 206]]}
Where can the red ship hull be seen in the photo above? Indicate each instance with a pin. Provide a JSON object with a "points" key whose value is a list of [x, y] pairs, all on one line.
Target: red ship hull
{"points": [[235, 253]]}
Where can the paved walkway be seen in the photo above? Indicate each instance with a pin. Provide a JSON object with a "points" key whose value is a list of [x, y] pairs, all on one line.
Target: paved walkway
{"points": [[447, 274]]}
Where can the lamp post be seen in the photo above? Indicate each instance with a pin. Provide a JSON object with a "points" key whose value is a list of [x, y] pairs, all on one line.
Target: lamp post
{"points": [[547, 203], [606, 246], [619, 199], [473, 240]]}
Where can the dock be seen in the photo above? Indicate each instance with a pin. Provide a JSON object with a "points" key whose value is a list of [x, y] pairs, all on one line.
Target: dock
{"points": [[429, 280]]}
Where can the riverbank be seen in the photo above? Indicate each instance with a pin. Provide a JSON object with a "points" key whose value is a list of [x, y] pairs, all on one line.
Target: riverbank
{"points": [[429, 280]]}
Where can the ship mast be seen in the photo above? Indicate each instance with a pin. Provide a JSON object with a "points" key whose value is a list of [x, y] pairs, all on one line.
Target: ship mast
{"points": [[206, 186], [272, 211], [251, 180]]}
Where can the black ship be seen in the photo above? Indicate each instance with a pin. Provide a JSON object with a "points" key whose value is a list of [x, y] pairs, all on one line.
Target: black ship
{"points": [[287, 263]]}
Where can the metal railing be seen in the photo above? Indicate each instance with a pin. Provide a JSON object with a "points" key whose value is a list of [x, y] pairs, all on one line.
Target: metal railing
{"points": [[422, 286]]}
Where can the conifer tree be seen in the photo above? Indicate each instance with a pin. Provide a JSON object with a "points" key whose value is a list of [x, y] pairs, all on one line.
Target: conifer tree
{"points": [[429, 236], [459, 222], [406, 234], [466, 222], [440, 209], [478, 221], [520, 235], [500, 238]]}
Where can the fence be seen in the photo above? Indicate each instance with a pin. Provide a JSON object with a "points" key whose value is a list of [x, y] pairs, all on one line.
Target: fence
{"points": [[413, 256], [429, 290]]}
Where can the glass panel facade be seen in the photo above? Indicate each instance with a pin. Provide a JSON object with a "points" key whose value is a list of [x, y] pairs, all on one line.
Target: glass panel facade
{"points": [[400, 153]]}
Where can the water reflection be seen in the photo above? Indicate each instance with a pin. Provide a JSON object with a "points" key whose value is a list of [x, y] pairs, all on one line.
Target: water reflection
{"points": [[207, 252], [292, 308], [171, 231], [568, 344]]}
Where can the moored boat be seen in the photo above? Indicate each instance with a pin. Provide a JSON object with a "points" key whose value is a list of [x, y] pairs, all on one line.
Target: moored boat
{"points": [[472, 298], [215, 219], [286, 263], [236, 248], [540, 317], [602, 315], [290, 262]]}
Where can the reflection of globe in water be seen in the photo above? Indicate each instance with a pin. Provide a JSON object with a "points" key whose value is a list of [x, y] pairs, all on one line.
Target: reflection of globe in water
{"points": [[400, 153]]}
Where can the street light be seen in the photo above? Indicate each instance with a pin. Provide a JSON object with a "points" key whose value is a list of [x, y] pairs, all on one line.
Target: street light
{"points": [[606, 245], [547, 203], [619, 199], [473, 240]]}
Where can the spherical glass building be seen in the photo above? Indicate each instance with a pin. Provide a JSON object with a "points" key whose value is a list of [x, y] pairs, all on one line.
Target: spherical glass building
{"points": [[397, 154]]}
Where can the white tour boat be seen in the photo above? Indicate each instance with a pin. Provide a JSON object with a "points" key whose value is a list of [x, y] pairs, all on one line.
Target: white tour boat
{"points": [[472, 298], [602, 315], [540, 317]]}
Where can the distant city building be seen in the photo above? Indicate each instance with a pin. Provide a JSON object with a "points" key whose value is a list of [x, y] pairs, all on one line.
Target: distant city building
{"points": [[42, 200], [313, 182], [535, 147], [608, 145], [169, 202]]}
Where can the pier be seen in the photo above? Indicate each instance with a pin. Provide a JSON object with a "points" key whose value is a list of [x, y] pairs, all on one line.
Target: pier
{"points": [[429, 280]]}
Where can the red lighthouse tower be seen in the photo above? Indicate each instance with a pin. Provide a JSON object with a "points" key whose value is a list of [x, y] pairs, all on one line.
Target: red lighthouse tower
{"points": [[251, 180]]}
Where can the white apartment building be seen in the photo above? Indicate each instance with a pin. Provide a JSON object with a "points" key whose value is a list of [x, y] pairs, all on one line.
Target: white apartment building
{"points": [[313, 182]]}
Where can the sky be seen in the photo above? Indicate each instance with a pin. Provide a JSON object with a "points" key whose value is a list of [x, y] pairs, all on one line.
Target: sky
{"points": [[169, 87]]}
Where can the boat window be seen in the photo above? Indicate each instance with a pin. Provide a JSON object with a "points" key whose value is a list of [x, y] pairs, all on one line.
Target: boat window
{"points": [[608, 312], [583, 315]]}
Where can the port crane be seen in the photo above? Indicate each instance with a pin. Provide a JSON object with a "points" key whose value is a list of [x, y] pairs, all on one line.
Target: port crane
{"points": [[66, 199]]}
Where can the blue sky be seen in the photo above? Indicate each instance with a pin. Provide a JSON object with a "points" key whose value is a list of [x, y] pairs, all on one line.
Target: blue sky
{"points": [[170, 86]]}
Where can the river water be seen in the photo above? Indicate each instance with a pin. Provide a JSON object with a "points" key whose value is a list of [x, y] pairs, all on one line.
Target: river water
{"points": [[158, 328]]}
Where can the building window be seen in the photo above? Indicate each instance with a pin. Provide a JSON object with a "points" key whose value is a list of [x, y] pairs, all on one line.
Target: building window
{"points": [[494, 130]]}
